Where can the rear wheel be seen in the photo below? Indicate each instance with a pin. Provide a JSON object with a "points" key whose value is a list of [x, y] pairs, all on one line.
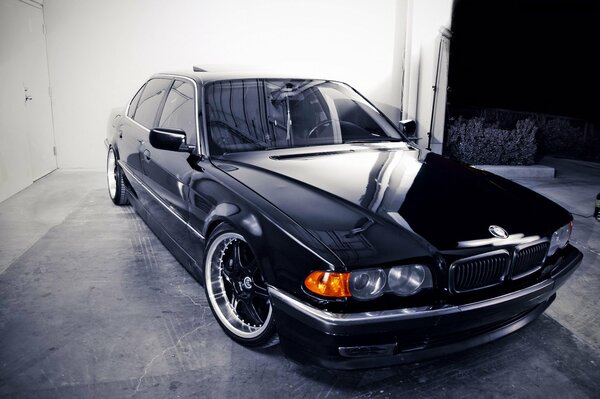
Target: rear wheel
{"points": [[236, 290], [115, 179]]}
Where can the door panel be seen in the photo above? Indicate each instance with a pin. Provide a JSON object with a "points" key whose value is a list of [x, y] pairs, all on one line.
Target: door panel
{"points": [[168, 173], [26, 134], [130, 138]]}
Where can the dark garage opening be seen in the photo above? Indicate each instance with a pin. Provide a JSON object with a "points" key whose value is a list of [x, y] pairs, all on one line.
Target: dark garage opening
{"points": [[523, 81]]}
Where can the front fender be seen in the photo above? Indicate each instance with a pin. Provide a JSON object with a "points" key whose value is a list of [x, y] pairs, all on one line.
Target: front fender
{"points": [[286, 251]]}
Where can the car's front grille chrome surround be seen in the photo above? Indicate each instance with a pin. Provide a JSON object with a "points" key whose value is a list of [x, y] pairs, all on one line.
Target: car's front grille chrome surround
{"points": [[479, 271], [528, 259]]}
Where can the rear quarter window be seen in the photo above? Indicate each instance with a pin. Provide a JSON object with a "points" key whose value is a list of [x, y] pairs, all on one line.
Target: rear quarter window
{"points": [[134, 102]]}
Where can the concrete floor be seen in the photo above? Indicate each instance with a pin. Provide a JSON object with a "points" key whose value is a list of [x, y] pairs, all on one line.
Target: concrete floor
{"points": [[92, 305]]}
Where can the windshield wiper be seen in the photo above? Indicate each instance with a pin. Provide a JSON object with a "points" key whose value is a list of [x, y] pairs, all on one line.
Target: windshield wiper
{"points": [[374, 140]]}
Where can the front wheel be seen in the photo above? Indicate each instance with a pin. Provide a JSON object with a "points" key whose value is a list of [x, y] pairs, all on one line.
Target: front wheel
{"points": [[236, 290], [116, 182]]}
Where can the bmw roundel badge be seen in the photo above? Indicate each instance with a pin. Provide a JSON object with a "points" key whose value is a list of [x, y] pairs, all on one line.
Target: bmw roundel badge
{"points": [[498, 231]]}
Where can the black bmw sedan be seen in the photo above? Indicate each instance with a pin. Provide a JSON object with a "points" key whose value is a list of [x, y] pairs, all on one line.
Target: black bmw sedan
{"points": [[310, 218]]}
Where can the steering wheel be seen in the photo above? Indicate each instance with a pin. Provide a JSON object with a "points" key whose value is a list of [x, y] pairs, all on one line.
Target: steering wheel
{"points": [[318, 127]]}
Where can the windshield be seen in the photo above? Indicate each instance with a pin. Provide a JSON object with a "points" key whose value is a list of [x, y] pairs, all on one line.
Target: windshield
{"points": [[255, 114]]}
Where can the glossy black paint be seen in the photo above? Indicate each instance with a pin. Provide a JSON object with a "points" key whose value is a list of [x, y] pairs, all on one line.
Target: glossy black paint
{"points": [[169, 140], [336, 207]]}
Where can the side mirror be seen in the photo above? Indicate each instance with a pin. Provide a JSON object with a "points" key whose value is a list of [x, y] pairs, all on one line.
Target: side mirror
{"points": [[169, 140], [408, 127]]}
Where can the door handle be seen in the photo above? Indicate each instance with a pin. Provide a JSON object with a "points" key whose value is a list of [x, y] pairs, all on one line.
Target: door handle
{"points": [[120, 134], [27, 96], [147, 155]]}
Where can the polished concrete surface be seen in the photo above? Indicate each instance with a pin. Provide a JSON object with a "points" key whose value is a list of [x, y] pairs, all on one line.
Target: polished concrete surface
{"points": [[92, 305]]}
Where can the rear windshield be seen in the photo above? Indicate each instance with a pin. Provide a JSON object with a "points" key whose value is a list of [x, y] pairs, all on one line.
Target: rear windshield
{"points": [[254, 115]]}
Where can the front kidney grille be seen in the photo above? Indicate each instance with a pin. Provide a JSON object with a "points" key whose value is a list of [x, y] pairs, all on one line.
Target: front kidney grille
{"points": [[529, 259], [492, 268], [480, 271]]}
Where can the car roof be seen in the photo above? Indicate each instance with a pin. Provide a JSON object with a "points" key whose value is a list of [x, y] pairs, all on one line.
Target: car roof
{"points": [[204, 78]]}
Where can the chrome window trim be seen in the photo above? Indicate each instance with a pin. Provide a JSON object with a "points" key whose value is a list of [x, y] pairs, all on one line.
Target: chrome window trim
{"points": [[160, 201], [206, 147]]}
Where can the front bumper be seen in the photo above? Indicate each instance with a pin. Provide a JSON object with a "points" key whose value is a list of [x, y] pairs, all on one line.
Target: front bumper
{"points": [[383, 338]]}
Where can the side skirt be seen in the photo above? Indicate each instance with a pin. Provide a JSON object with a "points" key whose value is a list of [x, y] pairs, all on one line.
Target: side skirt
{"points": [[179, 253]]}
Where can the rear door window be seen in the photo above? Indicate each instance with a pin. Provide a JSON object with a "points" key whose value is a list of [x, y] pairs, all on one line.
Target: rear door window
{"points": [[150, 101]]}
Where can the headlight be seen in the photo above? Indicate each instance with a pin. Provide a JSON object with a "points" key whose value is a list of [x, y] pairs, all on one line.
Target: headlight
{"points": [[560, 238], [370, 283], [408, 280], [367, 284], [400, 280]]}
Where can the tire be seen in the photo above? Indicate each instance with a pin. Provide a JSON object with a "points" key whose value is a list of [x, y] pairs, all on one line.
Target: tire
{"points": [[115, 180], [236, 290]]}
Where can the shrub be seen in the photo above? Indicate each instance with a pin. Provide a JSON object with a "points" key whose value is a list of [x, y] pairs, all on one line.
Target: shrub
{"points": [[556, 135], [560, 136], [477, 142]]}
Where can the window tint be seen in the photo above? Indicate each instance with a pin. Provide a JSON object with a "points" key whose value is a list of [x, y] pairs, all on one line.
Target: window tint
{"points": [[251, 115], [133, 104], [150, 100], [178, 112]]}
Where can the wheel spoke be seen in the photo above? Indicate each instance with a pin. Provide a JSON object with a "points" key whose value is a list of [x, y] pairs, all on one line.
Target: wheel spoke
{"points": [[240, 257], [261, 292], [251, 312], [234, 301], [251, 266], [226, 275], [237, 257]]}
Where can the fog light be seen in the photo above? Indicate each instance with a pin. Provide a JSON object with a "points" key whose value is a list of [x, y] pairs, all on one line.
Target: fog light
{"points": [[408, 280], [367, 351], [367, 284]]}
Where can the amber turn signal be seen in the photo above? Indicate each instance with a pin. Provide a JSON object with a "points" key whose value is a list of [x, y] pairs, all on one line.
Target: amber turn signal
{"points": [[328, 284]]}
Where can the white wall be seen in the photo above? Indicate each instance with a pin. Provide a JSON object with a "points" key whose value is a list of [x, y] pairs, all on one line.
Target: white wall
{"points": [[100, 52], [424, 20]]}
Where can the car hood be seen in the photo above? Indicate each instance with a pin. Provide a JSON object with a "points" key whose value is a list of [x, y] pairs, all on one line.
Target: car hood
{"points": [[387, 198]]}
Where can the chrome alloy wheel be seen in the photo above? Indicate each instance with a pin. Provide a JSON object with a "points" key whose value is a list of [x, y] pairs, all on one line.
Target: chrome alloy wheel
{"points": [[236, 288], [111, 173]]}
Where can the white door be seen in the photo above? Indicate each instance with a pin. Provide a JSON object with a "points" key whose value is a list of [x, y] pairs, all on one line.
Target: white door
{"points": [[26, 128], [38, 111]]}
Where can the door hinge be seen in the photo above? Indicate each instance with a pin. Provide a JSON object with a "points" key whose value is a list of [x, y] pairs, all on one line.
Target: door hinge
{"points": [[54, 150]]}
